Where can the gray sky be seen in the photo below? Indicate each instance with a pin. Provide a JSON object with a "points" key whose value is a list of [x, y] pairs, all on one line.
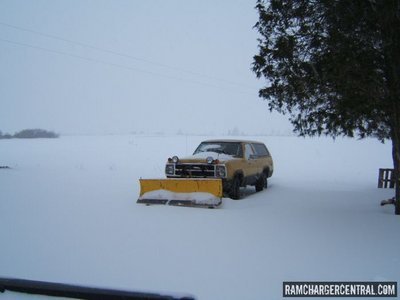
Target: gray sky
{"points": [[118, 66]]}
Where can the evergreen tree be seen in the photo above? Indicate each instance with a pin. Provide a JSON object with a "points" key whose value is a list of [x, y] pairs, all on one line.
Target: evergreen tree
{"points": [[334, 67]]}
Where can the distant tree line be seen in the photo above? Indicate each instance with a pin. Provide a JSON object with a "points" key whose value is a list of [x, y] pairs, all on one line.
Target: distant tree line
{"points": [[30, 134]]}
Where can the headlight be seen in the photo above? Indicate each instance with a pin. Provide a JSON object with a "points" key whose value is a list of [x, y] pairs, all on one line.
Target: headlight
{"points": [[169, 169], [175, 159], [210, 160], [220, 171]]}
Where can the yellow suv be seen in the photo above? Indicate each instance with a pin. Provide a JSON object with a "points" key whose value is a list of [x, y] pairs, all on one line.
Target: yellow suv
{"points": [[237, 162]]}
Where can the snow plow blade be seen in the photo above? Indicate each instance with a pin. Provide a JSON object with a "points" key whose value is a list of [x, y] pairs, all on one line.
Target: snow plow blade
{"points": [[181, 192]]}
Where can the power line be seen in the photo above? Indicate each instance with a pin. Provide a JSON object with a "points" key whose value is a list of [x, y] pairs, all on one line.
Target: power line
{"points": [[94, 60], [55, 37]]}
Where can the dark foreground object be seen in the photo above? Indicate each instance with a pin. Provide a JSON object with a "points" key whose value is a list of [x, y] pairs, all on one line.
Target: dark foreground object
{"points": [[76, 291], [388, 201]]}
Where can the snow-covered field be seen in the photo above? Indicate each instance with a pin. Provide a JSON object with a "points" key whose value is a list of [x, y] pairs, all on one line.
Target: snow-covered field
{"points": [[68, 214]]}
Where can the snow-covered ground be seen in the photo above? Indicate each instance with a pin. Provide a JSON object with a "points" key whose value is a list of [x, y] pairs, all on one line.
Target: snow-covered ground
{"points": [[68, 214]]}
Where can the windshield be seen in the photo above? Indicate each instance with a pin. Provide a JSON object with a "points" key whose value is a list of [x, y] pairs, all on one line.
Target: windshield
{"points": [[229, 148]]}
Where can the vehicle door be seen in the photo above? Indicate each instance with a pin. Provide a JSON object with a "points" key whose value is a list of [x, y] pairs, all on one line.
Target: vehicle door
{"points": [[250, 160]]}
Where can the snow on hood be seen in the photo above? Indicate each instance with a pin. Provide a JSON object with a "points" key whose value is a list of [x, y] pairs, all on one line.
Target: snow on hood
{"points": [[204, 155]]}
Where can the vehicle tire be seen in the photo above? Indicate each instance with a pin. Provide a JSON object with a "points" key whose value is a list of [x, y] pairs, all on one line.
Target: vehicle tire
{"points": [[266, 174], [234, 192], [261, 182]]}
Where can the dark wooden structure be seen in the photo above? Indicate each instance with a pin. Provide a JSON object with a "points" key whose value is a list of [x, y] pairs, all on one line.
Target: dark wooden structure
{"points": [[386, 178]]}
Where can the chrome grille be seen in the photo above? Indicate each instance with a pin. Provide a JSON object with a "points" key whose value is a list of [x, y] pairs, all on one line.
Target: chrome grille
{"points": [[195, 170]]}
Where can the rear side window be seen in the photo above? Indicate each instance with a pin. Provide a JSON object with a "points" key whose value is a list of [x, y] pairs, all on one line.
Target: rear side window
{"points": [[261, 150]]}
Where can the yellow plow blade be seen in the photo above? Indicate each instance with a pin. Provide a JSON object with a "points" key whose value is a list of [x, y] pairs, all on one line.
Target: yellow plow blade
{"points": [[182, 192]]}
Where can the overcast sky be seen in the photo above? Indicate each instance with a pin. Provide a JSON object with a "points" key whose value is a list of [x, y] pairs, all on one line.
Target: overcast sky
{"points": [[119, 66]]}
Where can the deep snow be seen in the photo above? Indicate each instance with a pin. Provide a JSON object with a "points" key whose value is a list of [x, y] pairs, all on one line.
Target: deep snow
{"points": [[68, 214]]}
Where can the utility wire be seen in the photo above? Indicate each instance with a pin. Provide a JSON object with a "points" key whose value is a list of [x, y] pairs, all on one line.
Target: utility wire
{"points": [[125, 55], [93, 60]]}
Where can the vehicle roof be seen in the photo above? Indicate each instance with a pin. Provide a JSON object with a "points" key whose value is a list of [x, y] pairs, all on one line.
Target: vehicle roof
{"points": [[231, 141]]}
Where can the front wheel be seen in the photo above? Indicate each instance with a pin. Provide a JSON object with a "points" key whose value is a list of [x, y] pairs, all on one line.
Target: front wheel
{"points": [[234, 192]]}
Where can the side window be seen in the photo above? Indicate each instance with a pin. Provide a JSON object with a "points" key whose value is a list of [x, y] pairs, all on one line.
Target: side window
{"points": [[248, 151], [234, 149], [261, 150]]}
